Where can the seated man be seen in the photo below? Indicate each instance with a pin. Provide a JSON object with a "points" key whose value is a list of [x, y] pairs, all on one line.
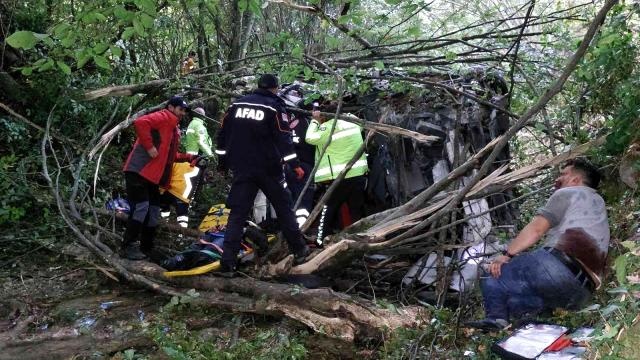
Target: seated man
{"points": [[567, 269]]}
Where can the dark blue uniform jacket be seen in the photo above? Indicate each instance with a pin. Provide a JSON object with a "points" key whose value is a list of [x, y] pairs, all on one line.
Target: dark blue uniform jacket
{"points": [[299, 124], [255, 137]]}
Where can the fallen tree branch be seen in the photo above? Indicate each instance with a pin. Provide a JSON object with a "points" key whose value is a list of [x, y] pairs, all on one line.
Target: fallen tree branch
{"points": [[372, 239], [334, 314], [127, 90], [498, 143], [106, 138], [379, 127], [53, 134]]}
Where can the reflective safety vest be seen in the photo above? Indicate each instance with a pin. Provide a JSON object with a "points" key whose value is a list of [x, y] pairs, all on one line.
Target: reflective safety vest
{"points": [[197, 138], [345, 142]]}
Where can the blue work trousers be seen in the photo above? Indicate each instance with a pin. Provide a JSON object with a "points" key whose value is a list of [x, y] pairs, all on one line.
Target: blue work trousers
{"points": [[240, 200], [529, 284]]}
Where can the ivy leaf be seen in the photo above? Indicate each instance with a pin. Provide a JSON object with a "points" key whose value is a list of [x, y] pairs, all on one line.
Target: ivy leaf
{"points": [[308, 73], [148, 6], [620, 267], [22, 40], [102, 62], [26, 71], [64, 67], [82, 57], [100, 48], [115, 51], [137, 26], [128, 33], [61, 30], [99, 16], [69, 40], [48, 65], [39, 62], [297, 52], [146, 20], [121, 13]]}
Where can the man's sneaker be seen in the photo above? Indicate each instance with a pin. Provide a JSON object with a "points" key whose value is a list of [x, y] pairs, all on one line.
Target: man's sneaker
{"points": [[132, 252], [301, 256], [488, 324]]}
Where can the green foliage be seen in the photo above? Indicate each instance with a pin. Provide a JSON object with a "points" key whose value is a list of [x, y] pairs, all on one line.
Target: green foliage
{"points": [[178, 342], [611, 73], [93, 34]]}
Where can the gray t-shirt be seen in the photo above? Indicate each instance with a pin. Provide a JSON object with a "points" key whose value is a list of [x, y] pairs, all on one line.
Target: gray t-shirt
{"points": [[579, 225]]}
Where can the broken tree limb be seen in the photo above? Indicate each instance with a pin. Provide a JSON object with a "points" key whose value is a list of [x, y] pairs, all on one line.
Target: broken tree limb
{"points": [[311, 177], [93, 244], [324, 310], [379, 127], [499, 143], [334, 185], [106, 138], [373, 239], [53, 134], [512, 131], [127, 90]]}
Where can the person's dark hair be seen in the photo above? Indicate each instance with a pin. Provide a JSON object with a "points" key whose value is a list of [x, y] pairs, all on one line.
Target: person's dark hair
{"points": [[192, 53], [268, 81], [590, 174]]}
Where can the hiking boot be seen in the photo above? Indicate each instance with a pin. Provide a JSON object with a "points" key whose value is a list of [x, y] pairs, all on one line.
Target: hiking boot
{"points": [[132, 252], [301, 256], [227, 274], [147, 236], [488, 324], [226, 271]]}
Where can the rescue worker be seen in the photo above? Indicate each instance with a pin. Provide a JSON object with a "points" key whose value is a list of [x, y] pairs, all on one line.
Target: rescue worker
{"points": [[255, 142], [197, 140], [299, 123], [185, 179], [188, 64], [149, 166], [343, 145]]}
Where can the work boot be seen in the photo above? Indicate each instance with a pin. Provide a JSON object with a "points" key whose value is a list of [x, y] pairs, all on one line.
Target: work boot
{"points": [[226, 271], [132, 232], [147, 237], [301, 256], [132, 252]]}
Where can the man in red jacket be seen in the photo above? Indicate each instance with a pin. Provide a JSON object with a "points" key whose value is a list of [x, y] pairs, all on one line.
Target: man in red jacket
{"points": [[149, 166]]}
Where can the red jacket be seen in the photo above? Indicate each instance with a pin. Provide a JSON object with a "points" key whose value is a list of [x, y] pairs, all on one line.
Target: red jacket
{"points": [[159, 129]]}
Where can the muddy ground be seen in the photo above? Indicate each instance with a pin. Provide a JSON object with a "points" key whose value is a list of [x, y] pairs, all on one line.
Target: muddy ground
{"points": [[79, 311]]}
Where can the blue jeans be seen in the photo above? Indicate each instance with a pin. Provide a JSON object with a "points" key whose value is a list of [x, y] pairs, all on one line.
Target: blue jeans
{"points": [[529, 284]]}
